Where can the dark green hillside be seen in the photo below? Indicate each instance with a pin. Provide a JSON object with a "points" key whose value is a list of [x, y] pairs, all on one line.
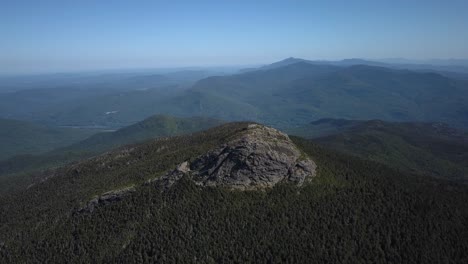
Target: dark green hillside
{"points": [[296, 93], [150, 128], [365, 92], [20, 137], [427, 148], [247, 96], [323, 127], [354, 211], [212, 105]]}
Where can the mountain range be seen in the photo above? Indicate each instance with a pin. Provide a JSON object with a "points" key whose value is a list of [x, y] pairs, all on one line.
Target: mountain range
{"points": [[301, 92], [451, 68], [287, 93]]}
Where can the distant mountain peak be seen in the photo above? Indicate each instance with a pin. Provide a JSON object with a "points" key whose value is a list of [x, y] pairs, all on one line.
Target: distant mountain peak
{"points": [[291, 59], [281, 63]]}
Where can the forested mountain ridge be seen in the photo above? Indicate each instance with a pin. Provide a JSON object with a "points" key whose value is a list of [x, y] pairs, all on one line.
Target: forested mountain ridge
{"points": [[153, 127], [458, 70], [352, 210], [297, 93], [434, 149]]}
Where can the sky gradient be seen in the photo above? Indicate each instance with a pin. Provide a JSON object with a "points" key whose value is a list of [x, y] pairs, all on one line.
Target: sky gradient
{"points": [[57, 36]]}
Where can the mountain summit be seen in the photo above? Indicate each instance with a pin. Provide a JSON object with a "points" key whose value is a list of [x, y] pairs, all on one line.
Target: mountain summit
{"points": [[250, 157], [258, 157]]}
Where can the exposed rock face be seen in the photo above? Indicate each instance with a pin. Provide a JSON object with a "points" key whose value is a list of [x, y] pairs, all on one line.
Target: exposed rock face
{"points": [[260, 158], [106, 198]]}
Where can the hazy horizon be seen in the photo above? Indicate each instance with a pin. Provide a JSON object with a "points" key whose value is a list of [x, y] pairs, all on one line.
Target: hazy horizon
{"points": [[57, 36], [460, 62]]}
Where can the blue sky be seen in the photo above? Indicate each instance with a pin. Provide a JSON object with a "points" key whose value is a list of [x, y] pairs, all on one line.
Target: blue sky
{"points": [[67, 35]]}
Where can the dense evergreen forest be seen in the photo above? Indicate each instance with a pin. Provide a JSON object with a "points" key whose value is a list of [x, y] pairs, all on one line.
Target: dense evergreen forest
{"points": [[353, 211], [433, 149]]}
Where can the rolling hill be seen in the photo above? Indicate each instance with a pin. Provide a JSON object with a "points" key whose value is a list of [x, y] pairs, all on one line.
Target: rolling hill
{"points": [[433, 149], [166, 201]]}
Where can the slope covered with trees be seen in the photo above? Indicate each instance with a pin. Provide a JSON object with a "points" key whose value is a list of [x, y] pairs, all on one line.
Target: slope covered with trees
{"points": [[353, 211], [426, 148], [19, 167]]}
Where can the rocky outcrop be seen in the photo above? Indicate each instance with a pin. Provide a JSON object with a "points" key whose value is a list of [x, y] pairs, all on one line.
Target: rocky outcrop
{"points": [[107, 198], [258, 157], [261, 157]]}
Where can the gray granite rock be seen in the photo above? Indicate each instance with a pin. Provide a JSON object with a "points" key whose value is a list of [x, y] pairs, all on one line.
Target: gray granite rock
{"points": [[260, 158]]}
